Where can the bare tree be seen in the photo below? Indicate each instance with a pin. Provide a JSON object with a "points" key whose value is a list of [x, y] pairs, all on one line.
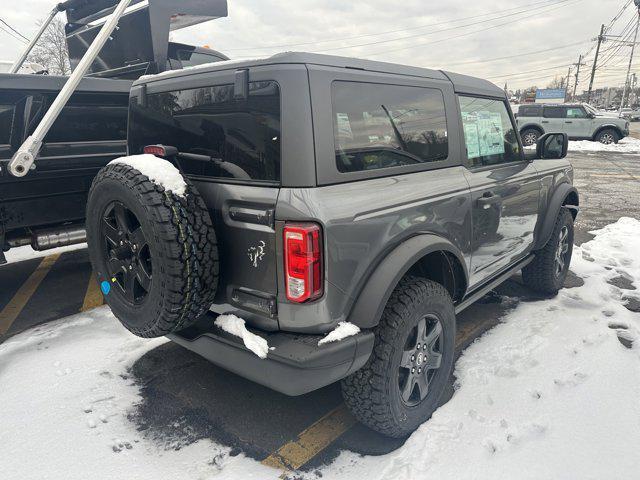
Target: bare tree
{"points": [[557, 82], [51, 51]]}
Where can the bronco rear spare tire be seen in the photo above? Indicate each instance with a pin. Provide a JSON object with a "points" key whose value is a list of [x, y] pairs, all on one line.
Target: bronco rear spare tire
{"points": [[154, 253]]}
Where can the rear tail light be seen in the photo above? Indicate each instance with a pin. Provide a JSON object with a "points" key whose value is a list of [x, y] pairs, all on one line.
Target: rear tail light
{"points": [[303, 262], [161, 150]]}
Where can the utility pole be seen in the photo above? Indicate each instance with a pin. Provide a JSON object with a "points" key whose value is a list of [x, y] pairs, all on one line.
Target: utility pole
{"points": [[633, 49], [566, 91], [595, 62], [575, 86]]}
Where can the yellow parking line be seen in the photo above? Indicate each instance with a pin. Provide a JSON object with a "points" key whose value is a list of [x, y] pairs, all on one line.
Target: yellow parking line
{"points": [[26, 291], [622, 176], [312, 441], [93, 297]]}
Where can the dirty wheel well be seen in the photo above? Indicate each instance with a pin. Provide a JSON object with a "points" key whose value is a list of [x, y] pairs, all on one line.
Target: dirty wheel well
{"points": [[444, 268]]}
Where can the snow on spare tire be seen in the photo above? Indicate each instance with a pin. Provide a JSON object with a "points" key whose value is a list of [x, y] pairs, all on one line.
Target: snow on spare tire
{"points": [[152, 245]]}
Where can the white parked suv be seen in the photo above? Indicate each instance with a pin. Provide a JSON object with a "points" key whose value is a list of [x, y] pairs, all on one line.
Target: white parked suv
{"points": [[578, 121]]}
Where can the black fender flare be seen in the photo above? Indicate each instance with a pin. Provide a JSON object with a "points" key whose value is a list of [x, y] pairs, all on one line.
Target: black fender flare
{"points": [[608, 126], [553, 209], [368, 308], [533, 126]]}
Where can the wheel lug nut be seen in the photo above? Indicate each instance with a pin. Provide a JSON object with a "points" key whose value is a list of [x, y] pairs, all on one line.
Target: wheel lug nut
{"points": [[419, 370], [413, 358], [418, 346], [424, 347], [413, 370]]}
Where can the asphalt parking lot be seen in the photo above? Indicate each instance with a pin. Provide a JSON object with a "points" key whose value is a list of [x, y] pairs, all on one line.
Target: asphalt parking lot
{"points": [[185, 398]]}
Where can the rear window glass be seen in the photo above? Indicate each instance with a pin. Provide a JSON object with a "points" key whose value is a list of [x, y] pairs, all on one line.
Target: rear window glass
{"points": [[555, 112], [241, 137], [530, 111], [6, 123], [383, 126]]}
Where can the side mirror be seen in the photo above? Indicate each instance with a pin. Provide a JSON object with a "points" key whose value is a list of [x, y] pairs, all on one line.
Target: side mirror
{"points": [[552, 146]]}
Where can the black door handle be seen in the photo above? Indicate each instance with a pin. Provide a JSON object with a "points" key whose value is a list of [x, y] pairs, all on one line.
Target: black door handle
{"points": [[568, 122], [544, 121], [488, 199]]}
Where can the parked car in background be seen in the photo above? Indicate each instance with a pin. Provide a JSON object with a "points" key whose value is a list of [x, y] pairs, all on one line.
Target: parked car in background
{"points": [[46, 208], [631, 114], [578, 121]]}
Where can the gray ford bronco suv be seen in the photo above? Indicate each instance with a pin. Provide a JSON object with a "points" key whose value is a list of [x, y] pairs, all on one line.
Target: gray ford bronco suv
{"points": [[323, 190], [578, 121]]}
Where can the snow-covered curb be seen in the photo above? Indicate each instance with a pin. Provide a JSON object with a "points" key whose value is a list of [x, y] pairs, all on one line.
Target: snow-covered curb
{"points": [[236, 326], [159, 171], [626, 145], [342, 331]]}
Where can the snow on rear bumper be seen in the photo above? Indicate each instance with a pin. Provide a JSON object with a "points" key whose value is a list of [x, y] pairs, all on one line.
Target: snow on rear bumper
{"points": [[297, 365]]}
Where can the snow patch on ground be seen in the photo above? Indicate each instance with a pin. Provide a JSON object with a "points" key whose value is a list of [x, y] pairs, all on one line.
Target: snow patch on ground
{"points": [[550, 393], [343, 330], [20, 254], [65, 394], [236, 326], [159, 171], [626, 145]]}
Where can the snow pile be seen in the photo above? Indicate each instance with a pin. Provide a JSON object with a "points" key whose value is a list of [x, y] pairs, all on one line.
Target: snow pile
{"points": [[236, 326], [343, 330], [626, 145], [20, 254], [160, 171], [65, 392], [550, 393]]}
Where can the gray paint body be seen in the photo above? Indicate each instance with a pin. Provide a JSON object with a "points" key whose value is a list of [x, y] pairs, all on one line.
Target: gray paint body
{"points": [[376, 224]]}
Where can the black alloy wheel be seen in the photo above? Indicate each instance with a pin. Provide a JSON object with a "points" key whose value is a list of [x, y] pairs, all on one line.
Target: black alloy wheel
{"points": [[421, 358], [127, 252]]}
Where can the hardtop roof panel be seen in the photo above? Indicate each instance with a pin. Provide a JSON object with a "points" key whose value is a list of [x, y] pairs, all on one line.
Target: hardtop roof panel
{"points": [[303, 58]]}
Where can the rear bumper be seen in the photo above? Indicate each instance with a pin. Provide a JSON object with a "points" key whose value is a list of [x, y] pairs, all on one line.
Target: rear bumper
{"points": [[296, 366]]}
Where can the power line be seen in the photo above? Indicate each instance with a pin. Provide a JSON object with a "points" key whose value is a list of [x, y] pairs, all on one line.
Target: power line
{"points": [[564, 3], [339, 39], [14, 30], [516, 55], [560, 3], [11, 34], [555, 67]]}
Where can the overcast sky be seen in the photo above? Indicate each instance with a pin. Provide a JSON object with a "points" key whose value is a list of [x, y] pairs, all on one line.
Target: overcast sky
{"points": [[414, 32]]}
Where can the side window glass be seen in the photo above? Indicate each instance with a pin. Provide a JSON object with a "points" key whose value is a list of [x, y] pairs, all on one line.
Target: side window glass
{"points": [[383, 126], [6, 123], [555, 112], [490, 136], [529, 111], [576, 112], [88, 118]]}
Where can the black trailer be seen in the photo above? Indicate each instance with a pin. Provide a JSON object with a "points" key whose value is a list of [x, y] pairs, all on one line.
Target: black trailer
{"points": [[45, 208]]}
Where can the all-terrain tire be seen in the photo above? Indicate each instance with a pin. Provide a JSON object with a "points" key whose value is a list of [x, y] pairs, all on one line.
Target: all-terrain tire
{"points": [[542, 273], [181, 248], [373, 393], [529, 136], [608, 136]]}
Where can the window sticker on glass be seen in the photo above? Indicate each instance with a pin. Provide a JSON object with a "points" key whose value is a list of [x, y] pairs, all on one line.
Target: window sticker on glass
{"points": [[484, 134], [343, 125], [470, 123]]}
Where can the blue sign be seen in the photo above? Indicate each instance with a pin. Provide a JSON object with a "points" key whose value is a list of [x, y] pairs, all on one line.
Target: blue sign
{"points": [[551, 94]]}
